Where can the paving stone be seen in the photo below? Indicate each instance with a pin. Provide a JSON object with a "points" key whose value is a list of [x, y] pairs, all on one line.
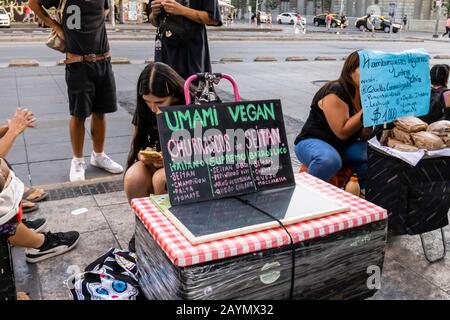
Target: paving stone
{"points": [[112, 198], [17, 155], [407, 250], [53, 151], [26, 275], [55, 134], [21, 171], [121, 218], [59, 216], [402, 283]]}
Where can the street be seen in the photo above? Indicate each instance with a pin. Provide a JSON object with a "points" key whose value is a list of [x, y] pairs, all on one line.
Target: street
{"points": [[139, 51]]}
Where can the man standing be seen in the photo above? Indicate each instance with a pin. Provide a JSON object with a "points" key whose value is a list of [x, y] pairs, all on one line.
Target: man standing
{"points": [[89, 76], [193, 15]]}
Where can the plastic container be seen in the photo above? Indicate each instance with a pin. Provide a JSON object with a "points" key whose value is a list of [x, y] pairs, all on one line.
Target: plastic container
{"points": [[353, 186]]}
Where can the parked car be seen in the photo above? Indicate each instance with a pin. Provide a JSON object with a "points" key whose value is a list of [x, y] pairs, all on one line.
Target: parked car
{"points": [[263, 17], [5, 20], [320, 20], [380, 24], [290, 18]]}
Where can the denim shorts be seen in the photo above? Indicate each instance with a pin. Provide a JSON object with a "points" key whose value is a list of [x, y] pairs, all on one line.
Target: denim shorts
{"points": [[9, 228]]}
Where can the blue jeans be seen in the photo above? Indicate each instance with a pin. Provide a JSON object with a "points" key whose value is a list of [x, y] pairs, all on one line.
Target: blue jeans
{"points": [[323, 160]]}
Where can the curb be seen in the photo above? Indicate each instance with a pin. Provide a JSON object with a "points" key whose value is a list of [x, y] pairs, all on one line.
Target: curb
{"points": [[231, 59], [69, 184], [23, 63], [442, 56], [295, 59], [120, 60], [265, 59], [125, 61], [324, 58]]}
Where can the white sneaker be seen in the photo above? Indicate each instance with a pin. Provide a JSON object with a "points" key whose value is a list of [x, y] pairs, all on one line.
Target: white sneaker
{"points": [[106, 163], [77, 170]]}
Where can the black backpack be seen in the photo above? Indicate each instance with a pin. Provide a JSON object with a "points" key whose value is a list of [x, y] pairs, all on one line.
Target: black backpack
{"points": [[437, 106]]}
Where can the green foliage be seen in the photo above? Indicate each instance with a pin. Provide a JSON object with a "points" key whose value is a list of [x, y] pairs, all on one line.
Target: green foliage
{"points": [[272, 4]]}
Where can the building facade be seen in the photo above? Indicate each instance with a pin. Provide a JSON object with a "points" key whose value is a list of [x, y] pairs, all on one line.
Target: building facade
{"points": [[414, 9]]}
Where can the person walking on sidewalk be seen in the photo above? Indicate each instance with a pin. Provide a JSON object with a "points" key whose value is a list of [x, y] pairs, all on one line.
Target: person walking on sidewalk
{"points": [[405, 22], [190, 53], [447, 28], [329, 20], [89, 76], [27, 12]]}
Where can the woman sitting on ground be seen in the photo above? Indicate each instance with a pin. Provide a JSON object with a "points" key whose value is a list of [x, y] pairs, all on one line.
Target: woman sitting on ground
{"points": [[440, 94], [158, 86], [40, 246], [332, 135]]}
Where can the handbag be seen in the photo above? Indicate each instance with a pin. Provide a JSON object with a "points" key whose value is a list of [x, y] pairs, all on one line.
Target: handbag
{"points": [[177, 30], [54, 41], [113, 276]]}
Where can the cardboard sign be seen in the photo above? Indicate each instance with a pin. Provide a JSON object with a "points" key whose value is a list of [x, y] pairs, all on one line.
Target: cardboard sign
{"points": [[220, 150], [394, 85]]}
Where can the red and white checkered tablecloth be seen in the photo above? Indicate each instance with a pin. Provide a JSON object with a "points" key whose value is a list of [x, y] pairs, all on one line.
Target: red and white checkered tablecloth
{"points": [[182, 253]]}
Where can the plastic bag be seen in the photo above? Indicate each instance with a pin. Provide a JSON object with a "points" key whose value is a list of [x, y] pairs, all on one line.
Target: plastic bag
{"points": [[427, 140], [411, 124]]}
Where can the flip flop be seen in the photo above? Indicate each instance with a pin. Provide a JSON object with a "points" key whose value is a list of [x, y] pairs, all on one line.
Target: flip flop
{"points": [[28, 206], [27, 194]]}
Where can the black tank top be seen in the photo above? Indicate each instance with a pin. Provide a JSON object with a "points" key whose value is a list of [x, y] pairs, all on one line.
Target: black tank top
{"points": [[316, 125]]}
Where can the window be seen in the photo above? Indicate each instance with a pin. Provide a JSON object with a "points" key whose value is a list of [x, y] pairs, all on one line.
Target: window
{"points": [[2, 11]]}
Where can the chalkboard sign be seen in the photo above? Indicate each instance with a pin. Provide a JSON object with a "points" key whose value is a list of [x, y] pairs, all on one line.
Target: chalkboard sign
{"points": [[394, 85], [219, 150]]}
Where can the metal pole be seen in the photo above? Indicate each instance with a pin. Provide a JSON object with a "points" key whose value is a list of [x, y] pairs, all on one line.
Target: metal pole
{"points": [[342, 8], [112, 14], [438, 17]]}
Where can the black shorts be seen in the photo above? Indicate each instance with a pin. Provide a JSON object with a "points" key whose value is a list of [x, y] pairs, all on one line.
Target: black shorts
{"points": [[91, 88]]}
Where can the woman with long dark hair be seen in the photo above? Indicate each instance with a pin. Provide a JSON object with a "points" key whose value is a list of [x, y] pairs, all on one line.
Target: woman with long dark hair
{"points": [[158, 86], [332, 135]]}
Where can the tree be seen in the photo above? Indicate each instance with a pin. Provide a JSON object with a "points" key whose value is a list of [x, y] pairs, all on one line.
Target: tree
{"points": [[446, 5], [272, 4]]}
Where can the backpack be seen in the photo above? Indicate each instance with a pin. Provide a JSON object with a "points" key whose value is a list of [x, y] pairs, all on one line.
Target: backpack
{"points": [[113, 276], [437, 105]]}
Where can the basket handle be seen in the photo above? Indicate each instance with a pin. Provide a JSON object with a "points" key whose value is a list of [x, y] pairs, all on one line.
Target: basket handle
{"points": [[187, 84]]}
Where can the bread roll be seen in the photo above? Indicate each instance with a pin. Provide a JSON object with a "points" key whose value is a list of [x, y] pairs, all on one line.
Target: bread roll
{"points": [[427, 140], [440, 127], [411, 124], [402, 136], [395, 144]]}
